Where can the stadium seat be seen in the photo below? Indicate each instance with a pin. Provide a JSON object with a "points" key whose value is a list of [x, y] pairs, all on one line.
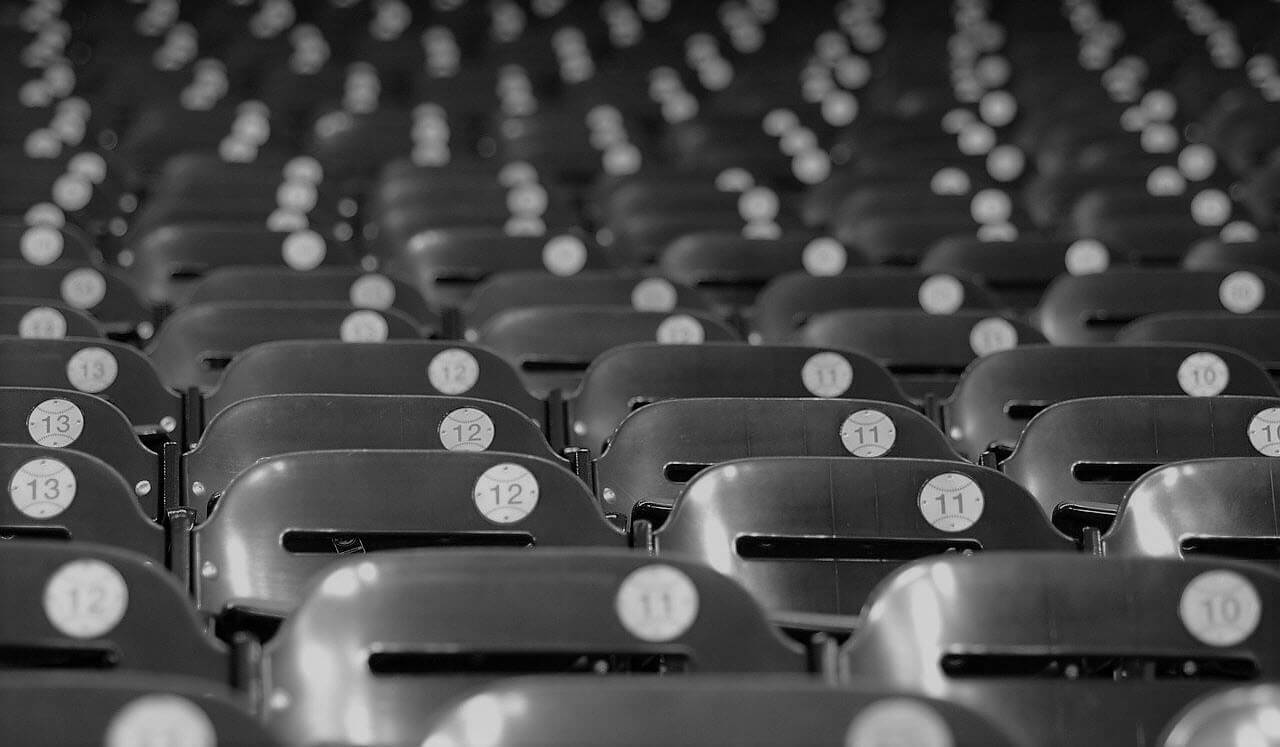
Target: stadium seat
{"points": [[100, 292], [1240, 714], [407, 632], [1252, 334]]}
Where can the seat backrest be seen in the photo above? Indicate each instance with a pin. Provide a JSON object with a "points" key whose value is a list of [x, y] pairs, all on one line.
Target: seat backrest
{"points": [[197, 343], [294, 513], [1082, 309], [816, 534], [117, 373], [64, 494], [1035, 615], [1219, 507], [659, 448], [95, 290], [628, 377], [1256, 335], [44, 320], [78, 605], [253, 429], [987, 262], [926, 353], [1000, 392], [61, 418], [402, 633], [706, 711], [789, 301], [1243, 713], [119, 709], [393, 367], [553, 345], [1078, 457]]}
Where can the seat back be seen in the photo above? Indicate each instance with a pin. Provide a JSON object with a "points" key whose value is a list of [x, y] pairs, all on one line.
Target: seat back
{"points": [[816, 534], [1256, 335], [295, 513], [1241, 713], [403, 633]]}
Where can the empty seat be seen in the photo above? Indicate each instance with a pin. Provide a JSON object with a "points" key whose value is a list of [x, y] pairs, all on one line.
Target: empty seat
{"points": [[98, 291], [294, 513], [926, 353], [1078, 457], [197, 343], [1239, 715], [788, 302], [252, 429], [552, 346], [704, 712], [43, 320], [626, 378], [1000, 392], [1019, 284], [1062, 648], [659, 448], [118, 709], [76, 605], [1082, 309], [401, 634], [1256, 335], [392, 367], [812, 536], [1219, 507]]}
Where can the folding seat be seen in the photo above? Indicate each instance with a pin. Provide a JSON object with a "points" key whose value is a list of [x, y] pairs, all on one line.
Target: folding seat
{"points": [[1078, 457], [659, 448], [164, 128], [253, 429], [1069, 649], [1081, 309], [41, 243], [120, 374], [81, 606], [891, 229], [810, 537], [1222, 506], [552, 346], [626, 378], [1019, 284], [937, 169], [1256, 334], [42, 320], [705, 712], [1000, 392], [199, 341], [789, 301], [448, 263], [392, 367], [118, 709], [1216, 254], [512, 290], [401, 634], [330, 285], [293, 513], [926, 353], [730, 269], [168, 259], [1235, 715], [103, 292]]}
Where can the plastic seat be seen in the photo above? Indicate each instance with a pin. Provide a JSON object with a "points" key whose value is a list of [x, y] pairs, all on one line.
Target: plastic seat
{"points": [[410, 631], [75, 605], [1000, 392], [1082, 309], [926, 353], [118, 709], [790, 301], [393, 367], [703, 712], [659, 448], [197, 343], [1215, 254], [1239, 714], [552, 346], [42, 320], [117, 373], [812, 536], [330, 285], [1256, 335], [252, 429], [101, 292], [1078, 457], [1063, 648], [628, 377], [294, 513], [1019, 284], [1202, 507]]}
